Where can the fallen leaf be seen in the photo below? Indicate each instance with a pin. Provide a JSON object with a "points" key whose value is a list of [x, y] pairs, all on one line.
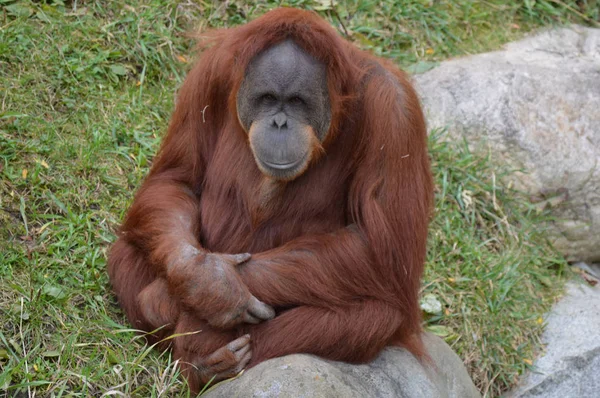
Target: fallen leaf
{"points": [[24, 174], [421, 67], [54, 291], [18, 10], [119, 70], [439, 330], [112, 357], [51, 354]]}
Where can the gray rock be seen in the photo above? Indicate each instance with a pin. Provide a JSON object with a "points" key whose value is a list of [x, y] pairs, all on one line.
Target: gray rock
{"points": [[571, 365], [536, 106], [395, 373]]}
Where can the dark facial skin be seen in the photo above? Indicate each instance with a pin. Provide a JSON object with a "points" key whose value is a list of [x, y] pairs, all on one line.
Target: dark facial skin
{"points": [[283, 104]]}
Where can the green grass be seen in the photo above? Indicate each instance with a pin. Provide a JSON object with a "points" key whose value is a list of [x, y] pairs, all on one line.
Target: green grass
{"points": [[489, 266], [86, 91]]}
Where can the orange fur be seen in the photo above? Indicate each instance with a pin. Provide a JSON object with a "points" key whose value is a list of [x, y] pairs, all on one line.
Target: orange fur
{"points": [[339, 251]]}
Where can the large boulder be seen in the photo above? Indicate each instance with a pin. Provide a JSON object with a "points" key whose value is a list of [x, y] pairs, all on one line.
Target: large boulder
{"points": [[395, 373], [536, 106]]}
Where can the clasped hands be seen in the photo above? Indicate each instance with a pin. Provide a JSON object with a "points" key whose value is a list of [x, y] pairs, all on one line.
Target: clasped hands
{"points": [[212, 288]]}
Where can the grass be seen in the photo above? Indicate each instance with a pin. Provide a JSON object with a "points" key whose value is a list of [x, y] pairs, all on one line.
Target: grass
{"points": [[489, 267], [86, 91]]}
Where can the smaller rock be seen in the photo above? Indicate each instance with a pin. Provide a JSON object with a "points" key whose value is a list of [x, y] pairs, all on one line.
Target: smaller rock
{"points": [[395, 373], [571, 365]]}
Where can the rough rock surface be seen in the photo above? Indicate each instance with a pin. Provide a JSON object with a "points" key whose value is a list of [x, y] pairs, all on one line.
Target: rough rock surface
{"points": [[571, 365], [395, 373], [537, 105]]}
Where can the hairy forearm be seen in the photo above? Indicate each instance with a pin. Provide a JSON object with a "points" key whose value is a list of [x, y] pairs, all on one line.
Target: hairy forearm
{"points": [[164, 221], [321, 270]]}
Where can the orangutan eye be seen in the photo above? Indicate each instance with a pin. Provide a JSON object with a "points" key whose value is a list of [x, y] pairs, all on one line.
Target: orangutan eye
{"points": [[296, 100], [268, 98]]}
